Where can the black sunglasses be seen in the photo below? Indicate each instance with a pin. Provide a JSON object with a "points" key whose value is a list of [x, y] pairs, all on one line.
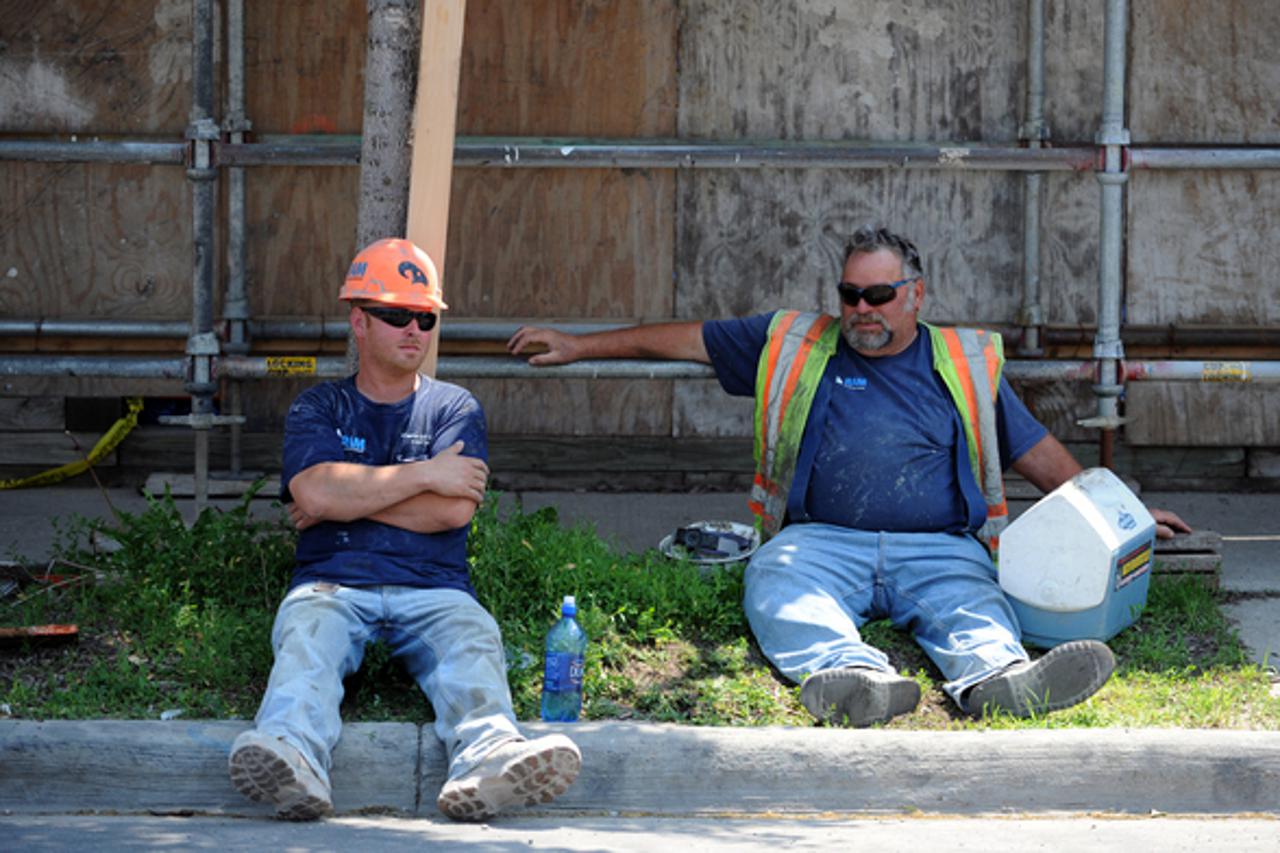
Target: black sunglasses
{"points": [[875, 294], [401, 317]]}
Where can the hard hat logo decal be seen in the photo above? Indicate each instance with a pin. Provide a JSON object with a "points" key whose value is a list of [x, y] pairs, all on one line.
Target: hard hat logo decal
{"points": [[394, 272], [411, 271]]}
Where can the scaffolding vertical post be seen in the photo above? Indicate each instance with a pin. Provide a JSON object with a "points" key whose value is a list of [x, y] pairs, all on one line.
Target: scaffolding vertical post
{"points": [[202, 343], [1113, 136], [1033, 133], [235, 308]]}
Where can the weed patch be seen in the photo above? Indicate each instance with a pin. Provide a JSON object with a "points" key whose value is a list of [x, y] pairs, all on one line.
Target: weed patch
{"points": [[178, 619]]}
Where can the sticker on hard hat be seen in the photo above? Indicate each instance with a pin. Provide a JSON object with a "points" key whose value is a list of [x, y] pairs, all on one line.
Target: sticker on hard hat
{"points": [[414, 274], [291, 365]]}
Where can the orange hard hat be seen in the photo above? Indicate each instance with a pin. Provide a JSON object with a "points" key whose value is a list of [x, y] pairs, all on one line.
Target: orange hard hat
{"points": [[394, 272]]}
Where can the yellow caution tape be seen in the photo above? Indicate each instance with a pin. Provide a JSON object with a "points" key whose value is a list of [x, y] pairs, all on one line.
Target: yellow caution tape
{"points": [[110, 439]]}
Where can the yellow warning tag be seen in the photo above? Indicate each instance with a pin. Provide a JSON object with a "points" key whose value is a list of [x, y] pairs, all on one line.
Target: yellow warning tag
{"points": [[1225, 371], [1133, 564], [291, 365]]}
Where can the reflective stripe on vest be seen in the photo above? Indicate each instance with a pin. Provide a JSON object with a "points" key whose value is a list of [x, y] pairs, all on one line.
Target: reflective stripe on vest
{"points": [[970, 362], [786, 381]]}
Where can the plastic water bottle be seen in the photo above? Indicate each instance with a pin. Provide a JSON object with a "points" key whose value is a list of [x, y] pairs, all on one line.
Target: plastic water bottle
{"points": [[562, 673]]}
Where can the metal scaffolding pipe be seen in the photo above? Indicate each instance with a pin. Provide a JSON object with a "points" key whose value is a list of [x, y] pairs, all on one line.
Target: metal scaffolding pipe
{"points": [[1204, 158], [535, 153], [202, 345], [1114, 137], [235, 306], [50, 151], [274, 331], [482, 367], [1033, 132], [93, 366]]}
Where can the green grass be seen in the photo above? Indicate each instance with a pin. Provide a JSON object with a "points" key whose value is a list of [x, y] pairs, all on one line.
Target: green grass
{"points": [[179, 618]]}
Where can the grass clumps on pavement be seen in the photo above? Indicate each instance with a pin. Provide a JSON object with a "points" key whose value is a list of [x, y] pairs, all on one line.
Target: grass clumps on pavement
{"points": [[175, 618]]}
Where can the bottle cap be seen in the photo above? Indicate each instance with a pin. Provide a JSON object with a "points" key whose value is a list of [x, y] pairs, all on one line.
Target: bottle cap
{"points": [[569, 607]]}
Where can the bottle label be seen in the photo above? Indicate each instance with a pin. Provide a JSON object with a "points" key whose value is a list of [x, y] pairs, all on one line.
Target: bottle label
{"points": [[563, 672]]}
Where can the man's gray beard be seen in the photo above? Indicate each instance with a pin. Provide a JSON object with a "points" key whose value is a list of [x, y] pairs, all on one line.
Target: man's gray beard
{"points": [[868, 341]]}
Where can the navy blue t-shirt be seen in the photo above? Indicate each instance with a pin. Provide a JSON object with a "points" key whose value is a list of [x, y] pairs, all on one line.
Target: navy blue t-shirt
{"points": [[884, 446], [334, 422]]}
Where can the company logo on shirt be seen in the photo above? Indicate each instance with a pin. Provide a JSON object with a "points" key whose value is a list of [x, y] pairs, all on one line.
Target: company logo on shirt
{"points": [[351, 443], [853, 383]]}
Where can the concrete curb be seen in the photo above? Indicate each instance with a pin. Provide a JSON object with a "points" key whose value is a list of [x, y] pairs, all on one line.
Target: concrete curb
{"points": [[180, 767]]}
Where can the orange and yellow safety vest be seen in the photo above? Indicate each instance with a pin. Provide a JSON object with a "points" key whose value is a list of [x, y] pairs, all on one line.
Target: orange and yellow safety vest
{"points": [[791, 365]]}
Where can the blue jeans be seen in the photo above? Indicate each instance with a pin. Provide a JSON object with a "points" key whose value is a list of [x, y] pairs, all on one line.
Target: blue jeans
{"points": [[448, 642], [810, 588]]}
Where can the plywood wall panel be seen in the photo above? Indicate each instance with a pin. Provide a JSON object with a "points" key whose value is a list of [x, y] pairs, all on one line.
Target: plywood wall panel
{"points": [[301, 238], [1202, 414], [1073, 62], [575, 407], [94, 241], [95, 66], [753, 241], [805, 69], [591, 244], [1204, 248], [304, 67], [1070, 228], [593, 68], [587, 243], [702, 408], [1204, 78]]}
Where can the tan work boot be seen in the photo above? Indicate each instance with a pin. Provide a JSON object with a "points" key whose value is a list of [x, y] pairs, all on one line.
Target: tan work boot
{"points": [[858, 697], [1066, 676], [266, 769], [518, 772]]}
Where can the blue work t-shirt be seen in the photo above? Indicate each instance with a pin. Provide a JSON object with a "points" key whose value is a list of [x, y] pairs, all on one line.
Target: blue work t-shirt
{"points": [[334, 422], [884, 446]]}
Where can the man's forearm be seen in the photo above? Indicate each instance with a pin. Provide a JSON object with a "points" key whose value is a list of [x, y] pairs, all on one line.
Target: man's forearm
{"points": [[428, 513], [1047, 464], [345, 491], [681, 341]]}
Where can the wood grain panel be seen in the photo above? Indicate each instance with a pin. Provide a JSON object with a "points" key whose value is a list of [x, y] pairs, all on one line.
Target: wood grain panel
{"points": [[88, 240], [1058, 405], [1202, 414], [569, 68], [1070, 226], [755, 241], [807, 69], [702, 408], [301, 238], [1204, 248], [1199, 78], [31, 413], [304, 67], [1073, 61], [95, 66], [590, 244], [554, 243], [575, 407]]}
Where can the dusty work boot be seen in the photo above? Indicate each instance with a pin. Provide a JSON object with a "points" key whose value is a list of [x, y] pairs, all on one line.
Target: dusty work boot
{"points": [[858, 697], [1066, 676], [269, 770], [518, 772]]}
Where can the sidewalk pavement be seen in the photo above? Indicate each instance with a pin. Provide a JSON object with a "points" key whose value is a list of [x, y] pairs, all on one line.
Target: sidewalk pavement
{"points": [[179, 766]]}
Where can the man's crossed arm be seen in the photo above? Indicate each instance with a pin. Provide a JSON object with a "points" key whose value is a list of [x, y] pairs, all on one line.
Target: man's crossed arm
{"points": [[428, 496]]}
